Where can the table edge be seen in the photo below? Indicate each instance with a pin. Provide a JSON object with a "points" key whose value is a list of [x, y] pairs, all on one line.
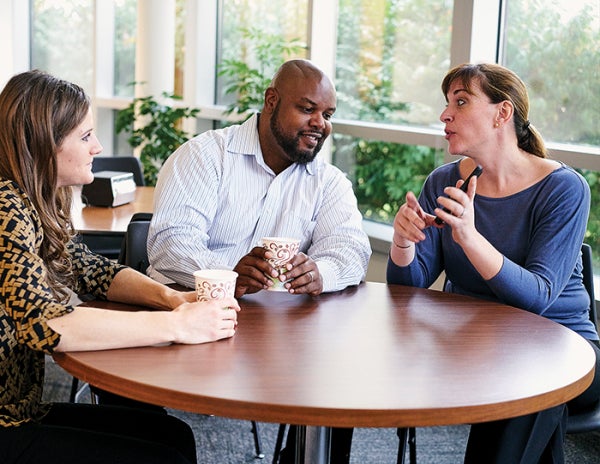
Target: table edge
{"points": [[328, 417]]}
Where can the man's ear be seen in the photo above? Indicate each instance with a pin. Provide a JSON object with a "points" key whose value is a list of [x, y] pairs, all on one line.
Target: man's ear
{"points": [[271, 99]]}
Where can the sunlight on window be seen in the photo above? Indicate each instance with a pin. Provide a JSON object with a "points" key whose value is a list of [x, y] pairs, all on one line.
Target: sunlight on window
{"points": [[391, 58], [559, 61], [64, 28]]}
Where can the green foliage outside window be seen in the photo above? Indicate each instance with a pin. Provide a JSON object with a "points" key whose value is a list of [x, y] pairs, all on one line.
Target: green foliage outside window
{"points": [[60, 26], [248, 82], [559, 61], [382, 172], [125, 43]]}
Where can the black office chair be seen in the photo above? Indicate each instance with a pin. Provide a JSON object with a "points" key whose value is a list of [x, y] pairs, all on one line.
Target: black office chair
{"points": [[120, 163], [133, 249], [587, 420], [279, 443], [578, 422]]}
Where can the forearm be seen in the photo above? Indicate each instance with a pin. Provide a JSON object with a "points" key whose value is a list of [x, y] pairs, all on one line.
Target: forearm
{"points": [[132, 287], [412, 274], [339, 245], [486, 259], [342, 261], [89, 328], [176, 251], [186, 204]]}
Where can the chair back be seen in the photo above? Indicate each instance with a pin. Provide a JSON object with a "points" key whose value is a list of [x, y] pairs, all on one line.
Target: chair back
{"points": [[587, 420], [133, 250], [120, 163], [588, 280]]}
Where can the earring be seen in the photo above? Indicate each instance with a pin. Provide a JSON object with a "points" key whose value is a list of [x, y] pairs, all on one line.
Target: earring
{"points": [[496, 124]]}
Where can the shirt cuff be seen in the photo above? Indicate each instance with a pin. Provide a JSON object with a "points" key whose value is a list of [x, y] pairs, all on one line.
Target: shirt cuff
{"points": [[327, 272]]}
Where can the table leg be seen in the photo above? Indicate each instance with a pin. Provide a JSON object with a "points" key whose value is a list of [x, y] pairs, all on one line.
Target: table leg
{"points": [[313, 445]]}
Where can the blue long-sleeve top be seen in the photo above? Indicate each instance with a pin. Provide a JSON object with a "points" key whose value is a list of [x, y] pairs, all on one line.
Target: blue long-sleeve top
{"points": [[539, 232]]}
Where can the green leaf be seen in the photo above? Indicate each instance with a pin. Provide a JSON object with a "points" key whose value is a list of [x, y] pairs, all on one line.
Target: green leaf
{"points": [[160, 133]]}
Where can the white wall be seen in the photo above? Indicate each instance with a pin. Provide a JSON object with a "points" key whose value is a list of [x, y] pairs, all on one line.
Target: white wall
{"points": [[14, 41]]}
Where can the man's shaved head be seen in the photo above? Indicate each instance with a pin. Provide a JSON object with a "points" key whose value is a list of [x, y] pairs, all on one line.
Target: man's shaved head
{"points": [[297, 70]]}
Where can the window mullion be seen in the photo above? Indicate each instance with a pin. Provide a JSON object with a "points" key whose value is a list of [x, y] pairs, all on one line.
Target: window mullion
{"points": [[475, 26]]}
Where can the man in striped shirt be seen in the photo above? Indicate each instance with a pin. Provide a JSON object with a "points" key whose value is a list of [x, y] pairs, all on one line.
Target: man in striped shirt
{"points": [[222, 191]]}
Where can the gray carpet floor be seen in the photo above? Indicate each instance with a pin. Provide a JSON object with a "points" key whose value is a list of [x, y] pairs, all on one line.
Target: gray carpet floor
{"points": [[229, 441]]}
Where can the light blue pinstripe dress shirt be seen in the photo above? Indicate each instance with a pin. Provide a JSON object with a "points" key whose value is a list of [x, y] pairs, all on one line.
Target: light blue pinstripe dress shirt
{"points": [[216, 198]]}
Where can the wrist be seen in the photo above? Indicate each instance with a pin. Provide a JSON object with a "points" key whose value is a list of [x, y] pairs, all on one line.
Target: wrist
{"points": [[401, 246], [173, 298]]}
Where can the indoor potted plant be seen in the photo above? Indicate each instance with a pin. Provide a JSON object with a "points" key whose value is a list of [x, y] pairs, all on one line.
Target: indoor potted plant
{"points": [[156, 127]]}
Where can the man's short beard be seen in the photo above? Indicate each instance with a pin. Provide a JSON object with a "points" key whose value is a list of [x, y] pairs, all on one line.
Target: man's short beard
{"points": [[290, 145]]}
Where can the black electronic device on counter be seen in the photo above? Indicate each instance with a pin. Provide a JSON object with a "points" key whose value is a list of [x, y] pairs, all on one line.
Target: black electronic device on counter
{"points": [[109, 188]]}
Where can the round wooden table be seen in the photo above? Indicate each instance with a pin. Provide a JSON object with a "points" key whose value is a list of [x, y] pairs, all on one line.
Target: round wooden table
{"points": [[375, 355]]}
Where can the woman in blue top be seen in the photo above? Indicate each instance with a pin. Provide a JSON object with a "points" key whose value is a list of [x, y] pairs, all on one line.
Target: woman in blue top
{"points": [[514, 236]]}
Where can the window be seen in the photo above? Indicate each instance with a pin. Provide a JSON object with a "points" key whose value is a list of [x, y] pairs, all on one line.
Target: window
{"points": [[124, 47], [387, 57], [559, 61], [391, 58], [383, 172], [62, 30], [247, 28]]}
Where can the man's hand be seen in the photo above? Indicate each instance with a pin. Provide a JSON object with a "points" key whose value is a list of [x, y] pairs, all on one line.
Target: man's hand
{"points": [[253, 271], [302, 276]]}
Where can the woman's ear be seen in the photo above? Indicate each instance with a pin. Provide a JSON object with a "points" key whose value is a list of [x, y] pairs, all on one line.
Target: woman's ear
{"points": [[505, 112]]}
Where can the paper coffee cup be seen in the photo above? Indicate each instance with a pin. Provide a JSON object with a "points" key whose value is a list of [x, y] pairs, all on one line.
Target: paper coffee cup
{"points": [[214, 284], [283, 250]]}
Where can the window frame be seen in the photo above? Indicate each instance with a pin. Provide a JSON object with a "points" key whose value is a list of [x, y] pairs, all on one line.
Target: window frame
{"points": [[476, 26], [475, 37]]}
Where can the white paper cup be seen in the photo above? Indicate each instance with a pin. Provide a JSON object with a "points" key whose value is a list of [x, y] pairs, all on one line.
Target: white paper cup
{"points": [[283, 249], [214, 284]]}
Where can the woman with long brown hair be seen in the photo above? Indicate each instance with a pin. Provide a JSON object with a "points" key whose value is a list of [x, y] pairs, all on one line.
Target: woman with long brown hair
{"points": [[47, 145]]}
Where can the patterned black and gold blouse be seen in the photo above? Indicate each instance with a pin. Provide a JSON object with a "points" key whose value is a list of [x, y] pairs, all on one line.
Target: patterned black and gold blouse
{"points": [[27, 303]]}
